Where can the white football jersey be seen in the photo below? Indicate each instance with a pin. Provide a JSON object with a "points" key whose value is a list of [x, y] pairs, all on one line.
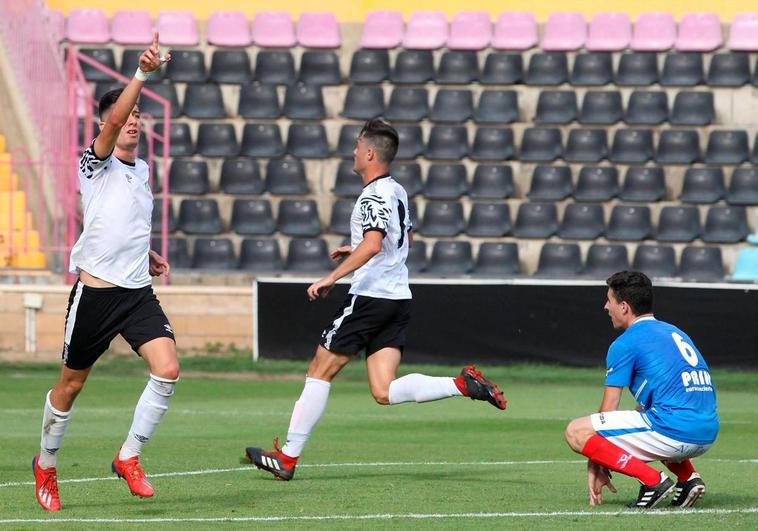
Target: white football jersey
{"points": [[382, 206], [117, 208]]}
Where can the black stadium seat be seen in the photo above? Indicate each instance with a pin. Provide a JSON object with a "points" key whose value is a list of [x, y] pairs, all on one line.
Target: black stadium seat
{"points": [[597, 183], [497, 107], [447, 142], [188, 176], [347, 183], [605, 260], [203, 101], [556, 107], [656, 261], [586, 145], [489, 220], [214, 254], [413, 66], [304, 102], [497, 259], [592, 69], [503, 69], [320, 68], [678, 146], [451, 105], [298, 217], [260, 255], [446, 181], [644, 184], [231, 66], [548, 68], [458, 68], [308, 256], [261, 140], [550, 183], [682, 69], [702, 264], [678, 224], [647, 108], [275, 67], [259, 101], [347, 139], [629, 223], [307, 141], [450, 258], [559, 260], [492, 144], [729, 70], [637, 69], [540, 144], [536, 220], [105, 57], [178, 251], [200, 216], [186, 66], [408, 174], [601, 107], [362, 103], [241, 176], [217, 140], [491, 181], [703, 185], [252, 217], [727, 147], [369, 66], [286, 177], [442, 219], [157, 216], [339, 222], [582, 222], [408, 104]]}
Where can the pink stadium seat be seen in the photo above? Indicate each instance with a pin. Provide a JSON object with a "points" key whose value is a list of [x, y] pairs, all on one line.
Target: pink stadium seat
{"points": [[426, 30], [609, 32], [515, 30], [132, 27], [699, 32], [470, 30], [383, 29], [273, 29], [56, 21], [177, 28], [228, 28], [564, 31], [743, 34], [318, 30], [88, 26], [654, 32]]}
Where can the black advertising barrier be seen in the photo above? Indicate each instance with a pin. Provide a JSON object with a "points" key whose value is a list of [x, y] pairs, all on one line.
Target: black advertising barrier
{"points": [[500, 322]]}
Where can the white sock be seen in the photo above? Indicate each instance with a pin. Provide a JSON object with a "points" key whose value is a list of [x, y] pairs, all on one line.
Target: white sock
{"points": [[421, 388], [54, 424], [306, 414], [151, 407]]}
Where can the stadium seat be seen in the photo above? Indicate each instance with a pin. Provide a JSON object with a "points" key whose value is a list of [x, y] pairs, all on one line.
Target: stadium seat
{"points": [[339, 222], [743, 187], [157, 217], [261, 141], [188, 176], [217, 140], [304, 102], [426, 30], [228, 28], [678, 224], [132, 27], [286, 177], [447, 142], [446, 181], [597, 183], [369, 66], [564, 31], [298, 217], [214, 254], [347, 183], [187, 66], [382, 29], [654, 32], [682, 69], [259, 101], [699, 32], [177, 28], [87, 26], [586, 145], [609, 32], [130, 61], [320, 68], [556, 107], [457, 68], [492, 144], [318, 30], [601, 108], [180, 140], [415, 219], [559, 260], [260, 255], [308, 256], [746, 265], [203, 101], [348, 137], [632, 146], [178, 252], [702, 264], [550, 183], [605, 260], [489, 220], [307, 141], [241, 177], [231, 66], [416, 261], [200, 216], [541, 144], [497, 260], [656, 261], [725, 225], [645, 185], [678, 146], [413, 66], [492, 181], [515, 31], [497, 107], [629, 223], [582, 222], [536, 220], [470, 30], [408, 104], [153, 108], [274, 67], [273, 29], [549, 68], [101, 87], [105, 57], [693, 108], [502, 69], [443, 219], [637, 69], [727, 147], [451, 105], [450, 258], [729, 70], [411, 141], [592, 69], [743, 33], [252, 217], [754, 154], [647, 108]]}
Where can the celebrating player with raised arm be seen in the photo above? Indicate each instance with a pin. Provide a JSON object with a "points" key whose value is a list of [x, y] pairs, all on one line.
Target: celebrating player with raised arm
{"points": [[375, 313], [113, 294], [676, 417]]}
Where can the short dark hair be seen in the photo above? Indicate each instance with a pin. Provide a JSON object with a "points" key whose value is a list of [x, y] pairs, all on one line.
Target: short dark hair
{"points": [[107, 101], [633, 288], [383, 137]]}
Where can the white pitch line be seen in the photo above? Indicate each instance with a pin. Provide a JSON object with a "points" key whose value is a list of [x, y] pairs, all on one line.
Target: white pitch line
{"points": [[385, 516]]}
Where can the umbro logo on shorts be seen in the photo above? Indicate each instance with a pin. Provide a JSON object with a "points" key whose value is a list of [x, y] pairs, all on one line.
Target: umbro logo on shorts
{"points": [[168, 328]]}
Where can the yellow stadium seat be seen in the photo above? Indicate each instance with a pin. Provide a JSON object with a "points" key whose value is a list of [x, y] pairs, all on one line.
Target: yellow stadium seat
{"points": [[19, 222], [30, 260], [18, 199], [9, 182], [5, 164], [2, 143], [19, 240]]}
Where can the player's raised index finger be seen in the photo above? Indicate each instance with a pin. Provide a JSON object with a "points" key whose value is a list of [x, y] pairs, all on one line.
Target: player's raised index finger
{"points": [[155, 39]]}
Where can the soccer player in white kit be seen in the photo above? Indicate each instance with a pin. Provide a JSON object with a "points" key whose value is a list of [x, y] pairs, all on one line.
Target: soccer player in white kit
{"points": [[376, 311], [113, 294]]}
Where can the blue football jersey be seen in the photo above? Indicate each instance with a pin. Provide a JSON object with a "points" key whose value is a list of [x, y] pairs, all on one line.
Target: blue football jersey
{"points": [[668, 377]]}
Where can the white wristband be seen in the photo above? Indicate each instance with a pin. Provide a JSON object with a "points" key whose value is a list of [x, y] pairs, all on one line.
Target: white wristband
{"points": [[141, 75]]}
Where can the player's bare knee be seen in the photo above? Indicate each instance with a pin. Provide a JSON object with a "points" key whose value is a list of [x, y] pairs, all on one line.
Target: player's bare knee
{"points": [[381, 395], [572, 434], [170, 371]]}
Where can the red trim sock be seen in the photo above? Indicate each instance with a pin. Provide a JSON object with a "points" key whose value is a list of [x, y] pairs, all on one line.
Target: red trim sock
{"points": [[603, 452], [287, 460], [683, 470], [460, 383]]}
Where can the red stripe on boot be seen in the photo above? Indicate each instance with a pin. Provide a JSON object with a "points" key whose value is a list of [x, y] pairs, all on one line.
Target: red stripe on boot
{"points": [[603, 452]]}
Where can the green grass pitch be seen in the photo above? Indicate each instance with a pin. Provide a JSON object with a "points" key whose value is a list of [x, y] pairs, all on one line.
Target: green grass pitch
{"points": [[452, 464]]}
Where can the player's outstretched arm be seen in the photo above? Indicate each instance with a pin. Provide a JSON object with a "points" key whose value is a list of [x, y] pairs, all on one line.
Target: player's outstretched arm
{"points": [[118, 115]]}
